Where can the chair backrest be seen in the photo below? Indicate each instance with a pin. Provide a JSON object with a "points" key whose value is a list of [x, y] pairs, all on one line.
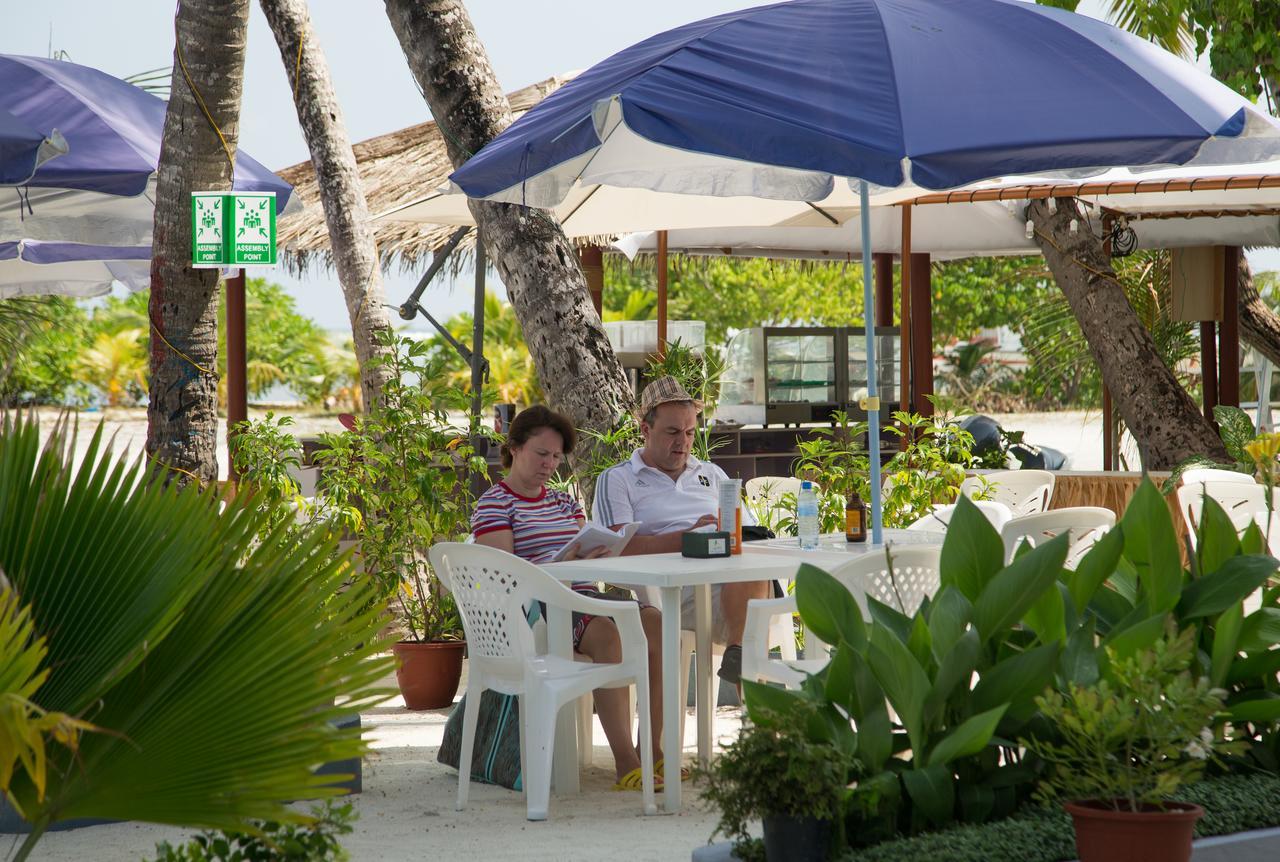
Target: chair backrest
{"points": [[1243, 503], [1025, 492], [491, 588], [1212, 474], [940, 518], [1085, 524], [914, 576]]}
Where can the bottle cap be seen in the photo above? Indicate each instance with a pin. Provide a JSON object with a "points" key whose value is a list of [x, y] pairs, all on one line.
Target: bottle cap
{"points": [[806, 485]]}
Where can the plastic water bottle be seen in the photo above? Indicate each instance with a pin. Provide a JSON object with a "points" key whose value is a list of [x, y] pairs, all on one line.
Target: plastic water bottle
{"points": [[807, 516]]}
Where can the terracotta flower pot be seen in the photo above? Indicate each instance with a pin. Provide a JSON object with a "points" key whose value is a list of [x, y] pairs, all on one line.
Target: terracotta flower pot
{"points": [[428, 673], [1156, 835]]}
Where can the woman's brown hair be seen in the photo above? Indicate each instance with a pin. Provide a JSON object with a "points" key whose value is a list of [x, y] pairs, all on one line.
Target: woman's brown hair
{"points": [[530, 421]]}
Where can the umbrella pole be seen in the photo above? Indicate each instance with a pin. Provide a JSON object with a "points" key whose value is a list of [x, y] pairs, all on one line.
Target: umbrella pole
{"points": [[479, 367], [662, 293], [237, 364], [873, 394]]}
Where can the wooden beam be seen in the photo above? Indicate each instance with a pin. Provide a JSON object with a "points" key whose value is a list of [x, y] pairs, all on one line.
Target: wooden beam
{"points": [[662, 293], [592, 259], [1108, 430], [1208, 368], [883, 263], [1229, 334], [922, 332], [1128, 187]]}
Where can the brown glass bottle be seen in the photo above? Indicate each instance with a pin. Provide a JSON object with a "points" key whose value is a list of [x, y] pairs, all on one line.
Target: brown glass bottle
{"points": [[855, 519]]}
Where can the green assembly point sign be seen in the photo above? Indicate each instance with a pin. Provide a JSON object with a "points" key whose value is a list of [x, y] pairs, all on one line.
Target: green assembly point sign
{"points": [[237, 229]]}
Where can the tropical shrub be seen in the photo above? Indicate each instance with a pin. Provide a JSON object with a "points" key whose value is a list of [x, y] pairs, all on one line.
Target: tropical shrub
{"points": [[207, 647], [405, 468], [1134, 737], [270, 841]]}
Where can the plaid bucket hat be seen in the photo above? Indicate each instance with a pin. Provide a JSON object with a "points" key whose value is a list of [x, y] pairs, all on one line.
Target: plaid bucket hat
{"points": [[663, 391]]}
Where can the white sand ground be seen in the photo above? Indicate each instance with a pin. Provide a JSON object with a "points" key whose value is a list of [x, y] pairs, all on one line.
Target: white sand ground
{"points": [[407, 810]]}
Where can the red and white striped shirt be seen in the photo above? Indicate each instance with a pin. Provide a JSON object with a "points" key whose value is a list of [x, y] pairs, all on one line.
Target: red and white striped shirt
{"points": [[540, 526]]}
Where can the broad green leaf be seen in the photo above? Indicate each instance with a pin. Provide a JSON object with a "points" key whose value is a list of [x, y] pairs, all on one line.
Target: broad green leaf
{"points": [[919, 641], [1256, 666], [841, 687], [1109, 608], [972, 552], [949, 615], [1225, 586], [1218, 541], [1010, 594], [1151, 545], [767, 704], [828, 608], [1079, 663], [1253, 541], [933, 791], [875, 729], [1236, 429], [1265, 709], [970, 737], [977, 802], [1261, 630], [889, 618], [1048, 616], [1098, 564], [903, 680], [1016, 680], [1137, 636], [1226, 637], [954, 671]]}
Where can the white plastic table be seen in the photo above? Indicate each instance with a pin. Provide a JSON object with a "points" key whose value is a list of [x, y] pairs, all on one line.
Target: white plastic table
{"points": [[775, 559]]}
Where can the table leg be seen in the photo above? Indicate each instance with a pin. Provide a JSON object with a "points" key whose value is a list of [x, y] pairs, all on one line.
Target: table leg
{"points": [[564, 765], [705, 689], [672, 697]]}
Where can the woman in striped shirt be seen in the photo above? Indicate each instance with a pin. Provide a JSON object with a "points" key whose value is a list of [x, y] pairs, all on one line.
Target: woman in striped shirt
{"points": [[522, 516]]}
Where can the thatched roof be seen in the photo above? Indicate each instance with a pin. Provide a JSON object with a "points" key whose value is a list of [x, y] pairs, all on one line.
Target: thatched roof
{"points": [[395, 169]]}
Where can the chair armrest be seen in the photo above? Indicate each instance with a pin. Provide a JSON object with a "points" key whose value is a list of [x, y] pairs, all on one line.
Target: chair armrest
{"points": [[755, 634], [625, 614]]}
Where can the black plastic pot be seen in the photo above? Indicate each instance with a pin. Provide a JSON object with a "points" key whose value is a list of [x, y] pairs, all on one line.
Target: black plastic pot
{"points": [[796, 839]]}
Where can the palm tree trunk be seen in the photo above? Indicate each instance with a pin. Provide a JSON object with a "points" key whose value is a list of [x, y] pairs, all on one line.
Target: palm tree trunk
{"points": [[578, 369], [355, 253], [1159, 413], [1259, 325], [182, 417]]}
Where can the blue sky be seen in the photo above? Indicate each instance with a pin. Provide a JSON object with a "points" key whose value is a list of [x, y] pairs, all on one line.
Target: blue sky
{"points": [[527, 41]]}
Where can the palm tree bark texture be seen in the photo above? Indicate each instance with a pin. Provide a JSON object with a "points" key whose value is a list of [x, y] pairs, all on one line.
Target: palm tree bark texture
{"points": [[1163, 419], [200, 131], [578, 369], [355, 252]]}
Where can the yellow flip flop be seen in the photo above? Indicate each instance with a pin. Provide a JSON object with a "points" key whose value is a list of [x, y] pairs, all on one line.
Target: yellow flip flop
{"points": [[634, 780], [660, 771]]}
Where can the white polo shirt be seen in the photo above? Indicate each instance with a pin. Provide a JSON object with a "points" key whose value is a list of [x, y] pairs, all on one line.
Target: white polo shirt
{"points": [[634, 491]]}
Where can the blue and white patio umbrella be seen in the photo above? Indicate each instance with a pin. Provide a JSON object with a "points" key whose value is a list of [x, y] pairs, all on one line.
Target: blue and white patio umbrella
{"points": [[23, 148], [35, 268], [781, 102]]}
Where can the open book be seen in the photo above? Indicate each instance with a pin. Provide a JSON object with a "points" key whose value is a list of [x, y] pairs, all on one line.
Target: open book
{"points": [[593, 536]]}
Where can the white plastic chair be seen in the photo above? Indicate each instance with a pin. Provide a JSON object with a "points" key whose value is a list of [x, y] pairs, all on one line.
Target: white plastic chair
{"points": [[915, 575], [1213, 474], [1025, 492], [492, 588], [1242, 501], [940, 518], [1085, 524]]}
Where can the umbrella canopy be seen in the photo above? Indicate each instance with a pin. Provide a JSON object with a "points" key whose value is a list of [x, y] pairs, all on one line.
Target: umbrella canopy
{"points": [[23, 149], [781, 101], [32, 267]]}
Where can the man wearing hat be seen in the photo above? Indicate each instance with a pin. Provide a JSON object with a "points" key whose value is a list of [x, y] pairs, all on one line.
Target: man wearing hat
{"points": [[668, 491]]}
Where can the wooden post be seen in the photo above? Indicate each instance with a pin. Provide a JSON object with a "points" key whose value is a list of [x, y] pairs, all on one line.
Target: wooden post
{"points": [[1229, 335], [904, 325], [922, 333], [883, 263], [237, 363], [479, 479], [592, 260], [1208, 367], [662, 293]]}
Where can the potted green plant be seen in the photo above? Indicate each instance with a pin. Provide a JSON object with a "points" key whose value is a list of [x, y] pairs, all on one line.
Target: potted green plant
{"points": [[776, 773], [406, 468], [1122, 746]]}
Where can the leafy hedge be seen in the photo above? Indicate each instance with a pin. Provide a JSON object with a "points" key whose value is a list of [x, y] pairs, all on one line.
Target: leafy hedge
{"points": [[1233, 803]]}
